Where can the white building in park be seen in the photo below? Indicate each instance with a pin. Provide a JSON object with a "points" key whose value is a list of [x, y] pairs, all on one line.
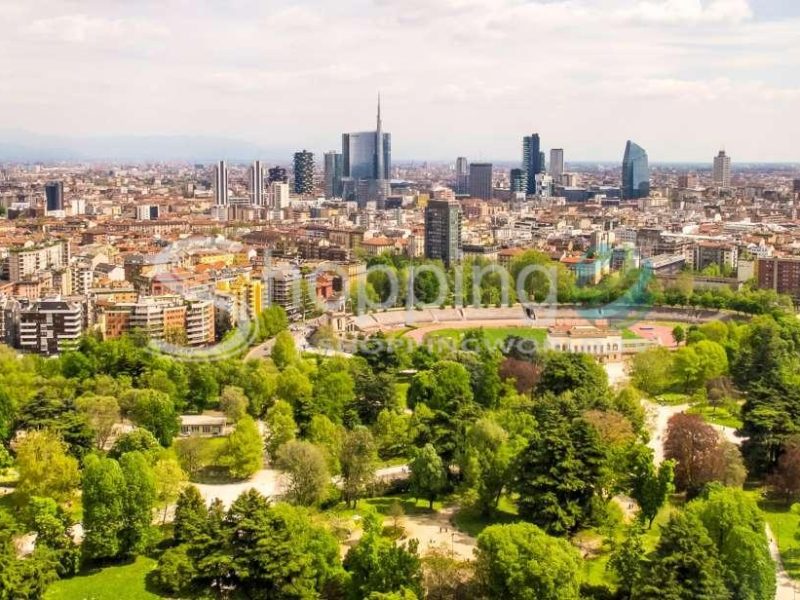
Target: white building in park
{"points": [[605, 344], [205, 425]]}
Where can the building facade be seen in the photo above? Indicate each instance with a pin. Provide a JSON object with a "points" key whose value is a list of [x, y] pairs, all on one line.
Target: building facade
{"points": [[54, 196], [221, 184], [519, 181], [333, 174], [443, 231], [304, 172], [532, 160], [462, 175], [635, 173], [781, 274], [50, 327], [722, 170], [556, 164], [480, 180], [725, 256], [30, 259], [603, 344], [256, 183]]}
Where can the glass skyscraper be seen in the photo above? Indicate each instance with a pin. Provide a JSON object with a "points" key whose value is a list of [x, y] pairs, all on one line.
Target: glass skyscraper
{"points": [[54, 194], [360, 155], [532, 160], [635, 173], [519, 181], [367, 164], [333, 174]]}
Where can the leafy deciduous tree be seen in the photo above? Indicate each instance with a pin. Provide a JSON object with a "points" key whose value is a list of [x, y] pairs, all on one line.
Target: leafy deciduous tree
{"points": [[307, 471], [358, 459], [244, 449], [428, 477], [45, 469], [520, 561]]}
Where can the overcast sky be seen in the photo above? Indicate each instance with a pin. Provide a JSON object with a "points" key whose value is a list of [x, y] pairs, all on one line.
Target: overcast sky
{"points": [[457, 77]]}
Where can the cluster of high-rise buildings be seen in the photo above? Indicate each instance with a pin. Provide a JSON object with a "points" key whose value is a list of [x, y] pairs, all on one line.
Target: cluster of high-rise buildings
{"points": [[182, 253]]}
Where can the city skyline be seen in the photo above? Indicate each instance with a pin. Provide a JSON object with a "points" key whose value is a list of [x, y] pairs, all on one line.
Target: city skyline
{"points": [[717, 68]]}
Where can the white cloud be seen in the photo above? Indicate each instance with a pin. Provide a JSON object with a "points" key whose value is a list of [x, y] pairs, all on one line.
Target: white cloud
{"points": [[457, 76], [682, 12], [81, 29]]}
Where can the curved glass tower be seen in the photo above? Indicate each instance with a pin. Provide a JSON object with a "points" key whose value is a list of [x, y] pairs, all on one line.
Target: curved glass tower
{"points": [[635, 172]]}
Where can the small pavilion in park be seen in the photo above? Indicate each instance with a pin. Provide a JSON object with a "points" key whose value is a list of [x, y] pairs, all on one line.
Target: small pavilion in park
{"points": [[600, 341]]}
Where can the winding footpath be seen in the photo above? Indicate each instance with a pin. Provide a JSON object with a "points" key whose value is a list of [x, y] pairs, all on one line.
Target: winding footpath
{"points": [[659, 419]]}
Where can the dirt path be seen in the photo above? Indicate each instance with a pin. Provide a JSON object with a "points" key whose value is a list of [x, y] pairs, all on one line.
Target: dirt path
{"points": [[435, 530], [786, 587], [660, 416], [432, 530], [268, 482]]}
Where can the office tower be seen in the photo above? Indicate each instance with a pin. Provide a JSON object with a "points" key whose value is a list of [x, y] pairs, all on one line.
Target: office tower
{"points": [[532, 159], [722, 170], [367, 157], [54, 193], [221, 184], [462, 175], [333, 174], [556, 163], [635, 173], [277, 174], [796, 186], [278, 195], [443, 231], [519, 181], [303, 172], [542, 165], [480, 180], [257, 183]]}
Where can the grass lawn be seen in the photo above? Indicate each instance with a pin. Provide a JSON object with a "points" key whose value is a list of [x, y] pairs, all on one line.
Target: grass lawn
{"points": [[784, 525], [495, 336], [120, 582], [471, 522], [718, 416], [382, 505], [672, 399], [628, 334], [210, 450]]}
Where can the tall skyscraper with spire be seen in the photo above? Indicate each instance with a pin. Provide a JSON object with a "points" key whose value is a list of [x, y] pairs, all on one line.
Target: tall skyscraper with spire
{"points": [[367, 163], [379, 158]]}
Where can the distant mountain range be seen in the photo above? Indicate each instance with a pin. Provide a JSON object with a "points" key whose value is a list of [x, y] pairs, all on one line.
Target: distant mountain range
{"points": [[24, 146]]}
